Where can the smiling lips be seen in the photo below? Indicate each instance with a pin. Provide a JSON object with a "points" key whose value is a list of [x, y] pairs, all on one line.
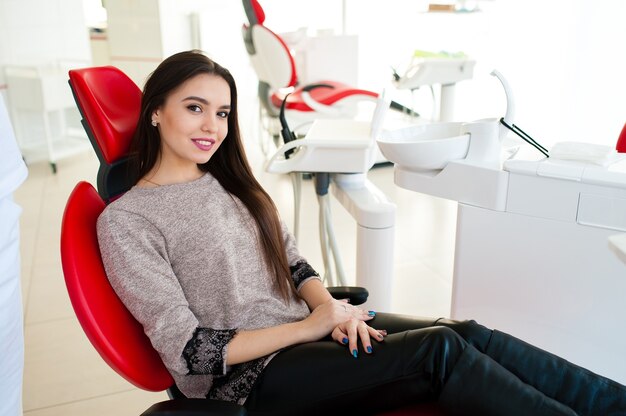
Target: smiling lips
{"points": [[204, 144]]}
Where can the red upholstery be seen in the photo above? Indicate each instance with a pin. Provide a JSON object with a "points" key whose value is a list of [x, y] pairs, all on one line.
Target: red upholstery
{"points": [[110, 103], [112, 330], [621, 141], [258, 11], [326, 96]]}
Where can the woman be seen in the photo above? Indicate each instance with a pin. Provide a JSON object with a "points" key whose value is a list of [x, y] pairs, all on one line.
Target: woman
{"points": [[198, 254]]}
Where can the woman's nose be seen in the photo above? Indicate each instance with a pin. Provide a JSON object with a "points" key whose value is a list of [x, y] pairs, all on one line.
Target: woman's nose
{"points": [[210, 124]]}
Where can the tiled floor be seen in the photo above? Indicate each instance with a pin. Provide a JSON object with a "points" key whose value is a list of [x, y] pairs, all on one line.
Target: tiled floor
{"points": [[65, 376]]}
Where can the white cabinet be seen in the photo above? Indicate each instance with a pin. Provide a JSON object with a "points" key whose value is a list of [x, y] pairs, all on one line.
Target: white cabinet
{"points": [[45, 117]]}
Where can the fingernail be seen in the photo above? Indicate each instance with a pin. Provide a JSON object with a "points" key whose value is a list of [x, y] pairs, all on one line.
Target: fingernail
{"points": [[345, 340], [382, 331], [371, 313], [369, 349], [355, 353]]}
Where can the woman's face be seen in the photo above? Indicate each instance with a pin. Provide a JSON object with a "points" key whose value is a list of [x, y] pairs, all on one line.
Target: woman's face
{"points": [[193, 121]]}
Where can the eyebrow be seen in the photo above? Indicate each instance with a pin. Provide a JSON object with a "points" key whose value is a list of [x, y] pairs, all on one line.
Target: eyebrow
{"points": [[203, 101]]}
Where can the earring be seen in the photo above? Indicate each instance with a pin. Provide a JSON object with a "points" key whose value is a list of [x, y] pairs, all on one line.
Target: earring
{"points": [[154, 123]]}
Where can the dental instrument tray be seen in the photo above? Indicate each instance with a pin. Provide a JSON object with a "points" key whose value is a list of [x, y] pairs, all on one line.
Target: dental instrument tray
{"points": [[331, 145]]}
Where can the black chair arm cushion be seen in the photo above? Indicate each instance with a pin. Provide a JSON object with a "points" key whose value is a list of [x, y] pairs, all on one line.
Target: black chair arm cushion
{"points": [[357, 295], [195, 407]]}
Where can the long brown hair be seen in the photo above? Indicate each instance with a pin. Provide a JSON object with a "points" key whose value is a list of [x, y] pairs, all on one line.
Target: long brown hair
{"points": [[228, 165]]}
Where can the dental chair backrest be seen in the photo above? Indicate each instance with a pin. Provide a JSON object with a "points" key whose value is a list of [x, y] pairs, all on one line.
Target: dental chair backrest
{"points": [[269, 54], [111, 329], [109, 103]]}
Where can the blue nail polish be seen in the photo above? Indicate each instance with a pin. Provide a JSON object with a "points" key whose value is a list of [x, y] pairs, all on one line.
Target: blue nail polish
{"points": [[345, 340], [369, 349], [354, 353], [371, 313]]}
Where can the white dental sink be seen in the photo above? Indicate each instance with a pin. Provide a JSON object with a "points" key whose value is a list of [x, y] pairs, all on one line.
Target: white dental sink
{"points": [[425, 147]]}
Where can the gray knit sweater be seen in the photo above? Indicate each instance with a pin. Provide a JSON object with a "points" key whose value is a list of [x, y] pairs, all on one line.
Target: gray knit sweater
{"points": [[185, 259]]}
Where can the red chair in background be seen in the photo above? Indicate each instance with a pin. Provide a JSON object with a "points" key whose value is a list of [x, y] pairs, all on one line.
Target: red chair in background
{"points": [[276, 70], [275, 67], [109, 104], [621, 141]]}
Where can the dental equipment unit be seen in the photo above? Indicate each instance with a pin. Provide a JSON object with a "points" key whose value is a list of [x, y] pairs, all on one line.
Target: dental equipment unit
{"points": [[532, 253], [427, 68], [339, 152]]}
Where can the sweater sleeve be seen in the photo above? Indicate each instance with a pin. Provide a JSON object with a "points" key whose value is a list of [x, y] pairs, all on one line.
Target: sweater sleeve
{"points": [[136, 262], [301, 270], [205, 353]]}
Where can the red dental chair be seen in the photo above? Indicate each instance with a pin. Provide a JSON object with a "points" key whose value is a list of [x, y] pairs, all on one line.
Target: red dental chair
{"points": [[276, 70], [109, 103]]}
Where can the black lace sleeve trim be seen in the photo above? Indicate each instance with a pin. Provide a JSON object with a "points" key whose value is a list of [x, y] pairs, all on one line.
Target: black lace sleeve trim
{"points": [[301, 271], [204, 353], [238, 383]]}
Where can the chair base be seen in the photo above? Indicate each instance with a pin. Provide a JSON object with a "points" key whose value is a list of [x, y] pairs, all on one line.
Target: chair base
{"points": [[195, 407]]}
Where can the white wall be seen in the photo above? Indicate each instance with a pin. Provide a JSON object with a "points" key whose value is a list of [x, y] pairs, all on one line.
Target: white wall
{"points": [[42, 32], [566, 61], [142, 33]]}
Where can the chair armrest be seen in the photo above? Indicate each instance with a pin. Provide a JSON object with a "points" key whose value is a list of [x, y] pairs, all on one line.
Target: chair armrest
{"points": [[357, 295], [195, 407]]}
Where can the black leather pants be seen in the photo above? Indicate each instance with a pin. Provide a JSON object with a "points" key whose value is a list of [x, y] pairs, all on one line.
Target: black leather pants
{"points": [[471, 370], [583, 391]]}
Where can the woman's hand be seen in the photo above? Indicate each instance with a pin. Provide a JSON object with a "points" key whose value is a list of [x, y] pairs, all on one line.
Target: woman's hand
{"points": [[350, 331], [330, 315]]}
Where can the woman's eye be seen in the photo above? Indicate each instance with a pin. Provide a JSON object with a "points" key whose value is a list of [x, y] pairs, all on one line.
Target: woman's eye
{"points": [[223, 114], [195, 108]]}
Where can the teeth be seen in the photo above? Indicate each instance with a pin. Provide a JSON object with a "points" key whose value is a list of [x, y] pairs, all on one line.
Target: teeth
{"points": [[203, 142]]}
